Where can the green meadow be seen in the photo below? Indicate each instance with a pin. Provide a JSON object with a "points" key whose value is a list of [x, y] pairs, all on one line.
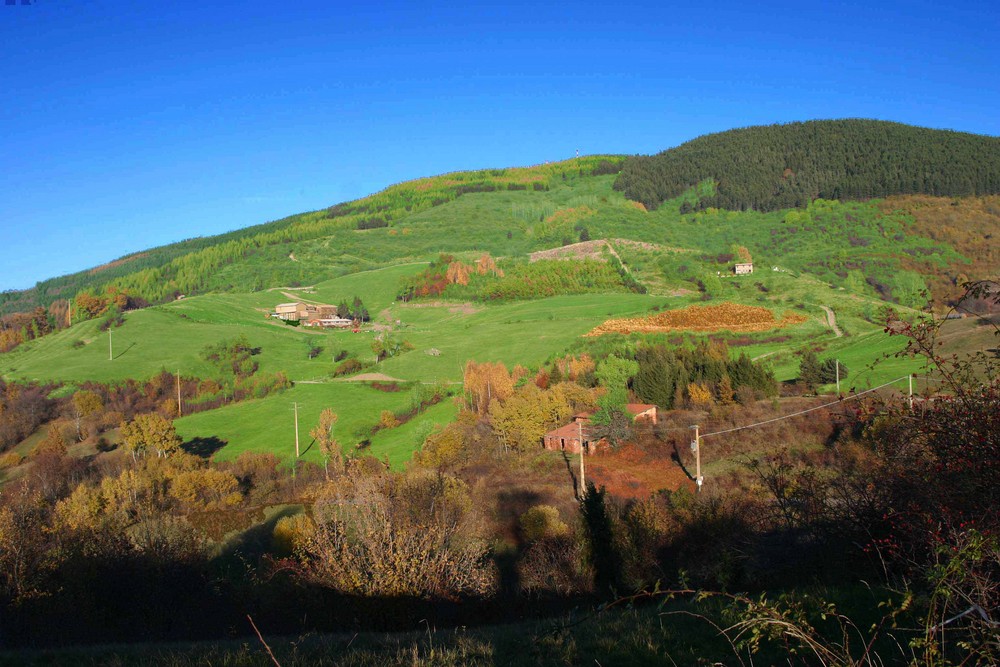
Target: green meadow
{"points": [[830, 254], [268, 424]]}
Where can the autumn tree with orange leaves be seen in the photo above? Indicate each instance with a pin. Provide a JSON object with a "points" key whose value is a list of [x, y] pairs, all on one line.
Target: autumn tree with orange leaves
{"points": [[486, 382]]}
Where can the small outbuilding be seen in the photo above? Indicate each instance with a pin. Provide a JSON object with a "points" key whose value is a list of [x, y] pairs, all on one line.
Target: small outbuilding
{"points": [[330, 322], [743, 268], [642, 412], [567, 438]]}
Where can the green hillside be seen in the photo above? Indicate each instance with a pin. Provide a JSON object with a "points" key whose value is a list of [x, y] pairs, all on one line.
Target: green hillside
{"points": [[781, 166], [177, 433], [257, 256], [854, 258]]}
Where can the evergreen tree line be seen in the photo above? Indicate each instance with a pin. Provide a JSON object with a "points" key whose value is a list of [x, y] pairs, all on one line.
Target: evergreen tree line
{"points": [[774, 167], [355, 311], [666, 374]]}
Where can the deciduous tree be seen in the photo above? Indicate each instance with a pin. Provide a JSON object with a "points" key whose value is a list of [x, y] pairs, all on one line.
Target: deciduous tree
{"points": [[150, 432], [328, 447]]}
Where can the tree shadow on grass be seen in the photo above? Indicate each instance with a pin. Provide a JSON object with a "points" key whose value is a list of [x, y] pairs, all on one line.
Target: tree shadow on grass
{"points": [[204, 447]]}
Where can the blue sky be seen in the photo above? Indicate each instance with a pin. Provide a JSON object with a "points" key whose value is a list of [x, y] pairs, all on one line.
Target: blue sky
{"points": [[126, 125]]}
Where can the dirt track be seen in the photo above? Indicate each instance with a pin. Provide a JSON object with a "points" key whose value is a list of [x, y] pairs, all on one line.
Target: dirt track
{"points": [[831, 319]]}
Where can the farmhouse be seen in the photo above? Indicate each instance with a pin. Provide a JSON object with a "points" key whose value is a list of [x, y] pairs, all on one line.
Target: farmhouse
{"points": [[293, 312], [330, 322], [743, 268], [567, 438]]}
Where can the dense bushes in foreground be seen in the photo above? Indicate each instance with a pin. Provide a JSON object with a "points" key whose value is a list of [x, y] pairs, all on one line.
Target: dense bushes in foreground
{"points": [[484, 527]]}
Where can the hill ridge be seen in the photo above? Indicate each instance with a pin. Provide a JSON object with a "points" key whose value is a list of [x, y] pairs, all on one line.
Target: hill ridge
{"points": [[771, 167]]}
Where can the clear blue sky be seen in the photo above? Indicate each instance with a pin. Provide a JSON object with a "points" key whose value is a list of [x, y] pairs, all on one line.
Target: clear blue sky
{"points": [[126, 125]]}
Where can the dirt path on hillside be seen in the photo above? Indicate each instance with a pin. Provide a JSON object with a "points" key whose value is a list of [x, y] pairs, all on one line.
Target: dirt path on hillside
{"points": [[595, 249], [372, 377], [275, 289], [831, 319], [298, 297]]}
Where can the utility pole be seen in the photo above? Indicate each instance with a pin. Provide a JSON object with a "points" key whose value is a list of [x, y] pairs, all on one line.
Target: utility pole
{"points": [[178, 392], [837, 364], [111, 355], [910, 379], [696, 448], [583, 478]]}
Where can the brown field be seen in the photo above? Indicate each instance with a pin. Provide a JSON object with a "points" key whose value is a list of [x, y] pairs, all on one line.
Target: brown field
{"points": [[632, 473], [723, 317]]}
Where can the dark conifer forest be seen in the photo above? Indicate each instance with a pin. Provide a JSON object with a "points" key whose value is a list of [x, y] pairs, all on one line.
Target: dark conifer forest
{"points": [[773, 167]]}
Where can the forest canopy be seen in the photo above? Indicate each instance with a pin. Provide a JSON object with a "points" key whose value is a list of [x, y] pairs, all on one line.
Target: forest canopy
{"points": [[772, 167]]}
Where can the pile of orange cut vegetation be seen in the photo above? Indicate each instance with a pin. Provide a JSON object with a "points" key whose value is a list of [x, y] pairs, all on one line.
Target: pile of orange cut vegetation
{"points": [[723, 317]]}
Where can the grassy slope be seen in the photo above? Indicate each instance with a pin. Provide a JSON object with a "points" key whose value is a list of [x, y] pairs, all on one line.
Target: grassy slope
{"points": [[172, 336], [269, 425]]}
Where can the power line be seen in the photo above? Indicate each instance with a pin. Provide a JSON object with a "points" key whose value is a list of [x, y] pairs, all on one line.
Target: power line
{"points": [[802, 412]]}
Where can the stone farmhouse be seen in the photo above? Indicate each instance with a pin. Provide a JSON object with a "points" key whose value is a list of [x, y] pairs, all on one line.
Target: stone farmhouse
{"points": [[743, 268], [311, 315], [567, 438], [293, 312]]}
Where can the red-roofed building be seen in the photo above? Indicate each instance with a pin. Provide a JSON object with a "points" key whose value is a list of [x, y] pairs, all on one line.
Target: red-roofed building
{"points": [[567, 438], [642, 412]]}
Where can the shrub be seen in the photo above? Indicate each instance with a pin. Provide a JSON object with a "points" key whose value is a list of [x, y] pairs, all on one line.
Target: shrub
{"points": [[387, 420], [291, 531], [347, 367], [372, 223], [10, 459], [542, 522]]}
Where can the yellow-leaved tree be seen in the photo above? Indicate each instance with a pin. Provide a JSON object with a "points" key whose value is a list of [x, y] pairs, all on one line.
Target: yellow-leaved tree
{"points": [[322, 433], [150, 432]]}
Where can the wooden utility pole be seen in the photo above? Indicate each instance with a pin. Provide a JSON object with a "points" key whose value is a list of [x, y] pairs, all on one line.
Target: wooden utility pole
{"points": [[696, 446], [111, 354], [910, 379], [296, 406], [583, 478], [837, 364], [178, 392]]}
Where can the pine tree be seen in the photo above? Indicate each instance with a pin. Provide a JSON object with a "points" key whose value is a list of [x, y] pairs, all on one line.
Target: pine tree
{"points": [[810, 372]]}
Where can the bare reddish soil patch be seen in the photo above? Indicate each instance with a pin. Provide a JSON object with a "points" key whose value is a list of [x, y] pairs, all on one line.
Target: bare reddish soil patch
{"points": [[723, 317], [629, 472]]}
